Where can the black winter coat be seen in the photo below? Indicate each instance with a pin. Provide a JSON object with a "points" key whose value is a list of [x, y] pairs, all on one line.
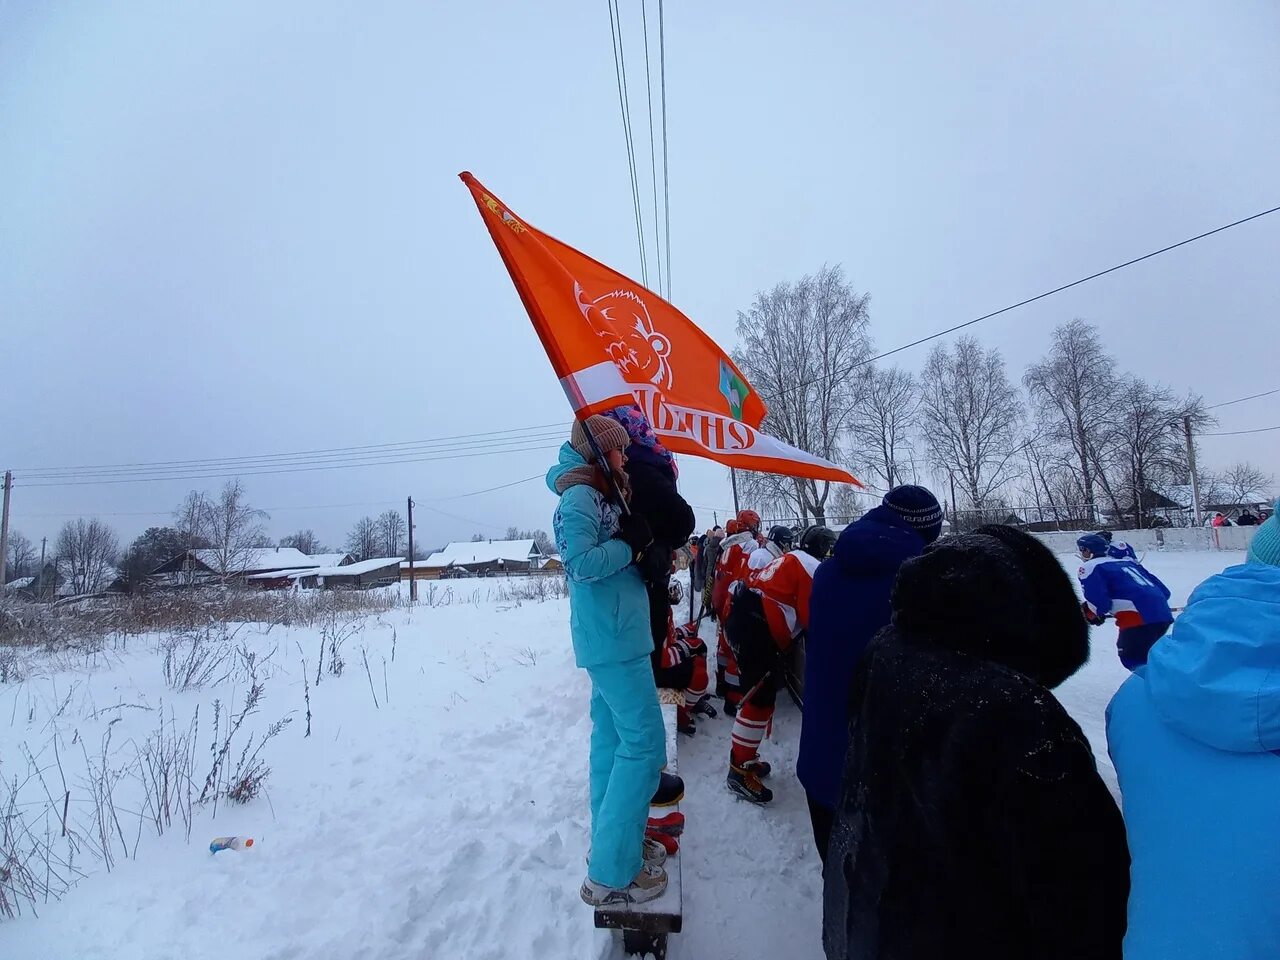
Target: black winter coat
{"points": [[972, 821], [654, 496]]}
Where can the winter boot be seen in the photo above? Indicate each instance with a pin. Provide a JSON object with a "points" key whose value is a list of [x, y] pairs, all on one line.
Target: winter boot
{"points": [[649, 884], [761, 768], [654, 851], [730, 706], [670, 791], [684, 721], [747, 785], [670, 845], [672, 825], [704, 707]]}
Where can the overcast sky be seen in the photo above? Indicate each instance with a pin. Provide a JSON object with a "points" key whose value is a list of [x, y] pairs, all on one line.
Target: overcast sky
{"points": [[236, 229]]}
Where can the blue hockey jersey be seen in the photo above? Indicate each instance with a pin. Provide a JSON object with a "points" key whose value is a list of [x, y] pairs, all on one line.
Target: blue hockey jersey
{"points": [[1119, 550], [1126, 590]]}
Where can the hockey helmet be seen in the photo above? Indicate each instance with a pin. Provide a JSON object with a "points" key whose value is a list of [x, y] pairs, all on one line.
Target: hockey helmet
{"points": [[750, 520], [783, 536], [817, 541]]}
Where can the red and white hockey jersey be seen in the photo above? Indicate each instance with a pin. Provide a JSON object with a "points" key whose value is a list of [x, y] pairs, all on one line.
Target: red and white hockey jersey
{"points": [[784, 587], [731, 568]]}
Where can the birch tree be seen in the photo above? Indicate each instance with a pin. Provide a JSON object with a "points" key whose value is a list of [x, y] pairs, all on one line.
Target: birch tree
{"points": [[969, 416], [804, 346]]}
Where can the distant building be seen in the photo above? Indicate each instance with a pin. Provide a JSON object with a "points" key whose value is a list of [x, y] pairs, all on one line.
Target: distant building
{"points": [[202, 566], [332, 559], [479, 558]]}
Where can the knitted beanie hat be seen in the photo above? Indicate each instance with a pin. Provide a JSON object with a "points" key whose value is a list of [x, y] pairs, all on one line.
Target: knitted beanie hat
{"points": [[1265, 546], [609, 435], [918, 507]]}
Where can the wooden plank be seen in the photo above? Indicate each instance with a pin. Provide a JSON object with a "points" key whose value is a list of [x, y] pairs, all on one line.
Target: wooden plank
{"points": [[666, 913]]}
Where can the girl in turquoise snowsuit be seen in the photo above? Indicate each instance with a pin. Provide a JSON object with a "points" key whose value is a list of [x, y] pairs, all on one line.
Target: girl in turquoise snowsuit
{"points": [[609, 622]]}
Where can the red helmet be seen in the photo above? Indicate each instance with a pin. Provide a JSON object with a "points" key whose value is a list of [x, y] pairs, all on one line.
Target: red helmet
{"points": [[731, 527], [750, 520]]}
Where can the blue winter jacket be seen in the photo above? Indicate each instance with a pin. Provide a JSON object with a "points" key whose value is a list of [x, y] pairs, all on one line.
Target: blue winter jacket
{"points": [[849, 605], [1195, 739], [608, 606]]}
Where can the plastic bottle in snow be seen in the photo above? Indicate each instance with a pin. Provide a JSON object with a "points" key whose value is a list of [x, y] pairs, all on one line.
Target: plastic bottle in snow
{"points": [[230, 843]]}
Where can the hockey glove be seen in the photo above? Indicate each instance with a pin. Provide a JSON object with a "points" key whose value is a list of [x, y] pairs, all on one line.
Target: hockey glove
{"points": [[634, 530], [1094, 618]]}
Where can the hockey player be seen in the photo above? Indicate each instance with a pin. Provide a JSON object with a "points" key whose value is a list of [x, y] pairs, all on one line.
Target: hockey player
{"points": [[1117, 549], [732, 568], [1126, 590], [765, 618], [779, 541]]}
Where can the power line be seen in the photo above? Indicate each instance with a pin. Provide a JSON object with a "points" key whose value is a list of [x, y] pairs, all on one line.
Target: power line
{"points": [[222, 461], [1040, 296], [295, 469], [1241, 400], [666, 191], [381, 456], [653, 159], [1236, 433], [624, 105], [476, 493]]}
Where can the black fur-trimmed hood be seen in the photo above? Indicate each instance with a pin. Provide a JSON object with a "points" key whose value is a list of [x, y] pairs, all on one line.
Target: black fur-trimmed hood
{"points": [[999, 594]]}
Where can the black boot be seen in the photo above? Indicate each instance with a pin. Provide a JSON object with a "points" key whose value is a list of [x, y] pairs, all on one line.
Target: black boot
{"points": [[670, 791]]}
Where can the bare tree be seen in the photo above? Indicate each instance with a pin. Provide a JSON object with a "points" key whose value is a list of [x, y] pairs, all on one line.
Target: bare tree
{"points": [[391, 532], [1245, 484], [803, 345], [87, 552], [1072, 391], [363, 540], [884, 418], [1147, 434], [304, 541], [21, 559], [969, 415], [539, 537], [233, 529], [847, 503]]}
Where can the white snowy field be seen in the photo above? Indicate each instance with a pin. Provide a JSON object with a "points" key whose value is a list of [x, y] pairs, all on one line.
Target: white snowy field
{"points": [[449, 819]]}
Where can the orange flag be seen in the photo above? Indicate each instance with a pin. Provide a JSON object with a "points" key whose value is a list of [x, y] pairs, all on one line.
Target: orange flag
{"points": [[613, 342]]}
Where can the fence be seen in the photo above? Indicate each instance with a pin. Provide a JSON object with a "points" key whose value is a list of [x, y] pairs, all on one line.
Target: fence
{"points": [[1163, 538]]}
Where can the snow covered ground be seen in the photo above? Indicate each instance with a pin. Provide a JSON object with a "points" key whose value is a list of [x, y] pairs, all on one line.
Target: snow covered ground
{"points": [[448, 819]]}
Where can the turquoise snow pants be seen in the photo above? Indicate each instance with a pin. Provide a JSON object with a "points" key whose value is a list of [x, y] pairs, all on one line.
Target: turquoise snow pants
{"points": [[628, 749]]}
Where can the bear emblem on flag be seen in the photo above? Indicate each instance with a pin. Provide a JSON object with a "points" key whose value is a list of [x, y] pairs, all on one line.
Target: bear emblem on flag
{"points": [[621, 318]]}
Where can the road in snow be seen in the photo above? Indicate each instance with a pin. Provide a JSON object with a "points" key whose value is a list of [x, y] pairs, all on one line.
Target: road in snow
{"points": [[448, 821]]}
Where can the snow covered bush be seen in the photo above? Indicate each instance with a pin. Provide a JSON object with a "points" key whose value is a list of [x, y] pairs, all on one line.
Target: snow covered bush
{"points": [[197, 657]]}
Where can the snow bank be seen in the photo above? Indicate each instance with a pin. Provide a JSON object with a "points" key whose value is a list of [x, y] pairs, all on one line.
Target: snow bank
{"points": [[438, 808]]}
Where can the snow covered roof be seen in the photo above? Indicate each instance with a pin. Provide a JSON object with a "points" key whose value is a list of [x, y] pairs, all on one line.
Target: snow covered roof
{"points": [[277, 574], [264, 558], [352, 569], [481, 551], [21, 583], [328, 559]]}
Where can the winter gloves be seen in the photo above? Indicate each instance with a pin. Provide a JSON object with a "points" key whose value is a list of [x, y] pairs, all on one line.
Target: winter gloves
{"points": [[634, 530]]}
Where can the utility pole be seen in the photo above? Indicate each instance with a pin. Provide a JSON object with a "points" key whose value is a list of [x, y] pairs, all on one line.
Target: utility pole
{"points": [[413, 583], [733, 478], [1195, 479], [955, 519], [40, 576], [4, 524]]}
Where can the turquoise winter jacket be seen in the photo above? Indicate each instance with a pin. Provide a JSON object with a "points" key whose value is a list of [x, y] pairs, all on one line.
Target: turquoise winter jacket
{"points": [[608, 606], [1195, 739]]}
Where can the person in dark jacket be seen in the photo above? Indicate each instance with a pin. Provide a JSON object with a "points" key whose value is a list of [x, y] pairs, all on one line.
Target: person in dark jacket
{"points": [[850, 604], [652, 472], [972, 821]]}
